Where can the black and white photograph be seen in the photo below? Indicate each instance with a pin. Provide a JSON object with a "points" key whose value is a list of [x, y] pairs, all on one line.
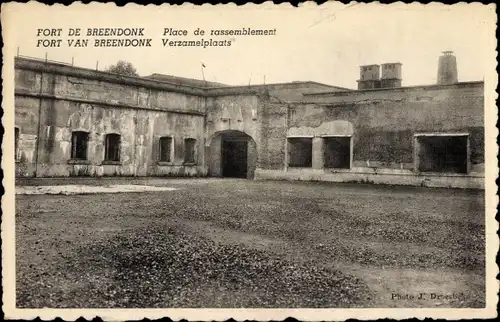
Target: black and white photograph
{"points": [[257, 162]]}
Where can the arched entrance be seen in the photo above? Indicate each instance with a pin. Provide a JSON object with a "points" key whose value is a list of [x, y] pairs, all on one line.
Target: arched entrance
{"points": [[232, 154]]}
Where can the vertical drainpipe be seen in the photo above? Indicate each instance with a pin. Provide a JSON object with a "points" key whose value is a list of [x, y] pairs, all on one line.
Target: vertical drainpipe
{"points": [[135, 135], [151, 155], [39, 125], [416, 153], [287, 121], [468, 155], [135, 143], [205, 148]]}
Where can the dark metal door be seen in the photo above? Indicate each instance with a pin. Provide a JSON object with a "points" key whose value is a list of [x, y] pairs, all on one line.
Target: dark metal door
{"points": [[234, 159]]}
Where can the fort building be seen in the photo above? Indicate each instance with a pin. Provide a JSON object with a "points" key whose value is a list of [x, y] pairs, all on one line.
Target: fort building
{"points": [[72, 121]]}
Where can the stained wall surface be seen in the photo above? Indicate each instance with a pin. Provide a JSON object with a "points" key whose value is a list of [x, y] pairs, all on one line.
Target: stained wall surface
{"points": [[385, 121], [383, 125], [53, 100]]}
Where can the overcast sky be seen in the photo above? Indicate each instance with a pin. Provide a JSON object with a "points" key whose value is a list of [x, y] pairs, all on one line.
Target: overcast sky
{"points": [[325, 44]]}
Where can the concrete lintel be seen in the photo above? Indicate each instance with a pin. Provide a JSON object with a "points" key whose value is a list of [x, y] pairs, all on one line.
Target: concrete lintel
{"points": [[335, 136], [441, 134]]}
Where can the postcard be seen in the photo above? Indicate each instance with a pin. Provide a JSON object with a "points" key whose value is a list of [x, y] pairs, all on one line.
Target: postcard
{"points": [[255, 162]]}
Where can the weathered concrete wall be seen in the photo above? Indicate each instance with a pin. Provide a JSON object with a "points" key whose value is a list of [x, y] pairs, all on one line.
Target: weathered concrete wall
{"points": [[26, 120], [49, 83], [179, 127], [239, 113], [140, 132], [376, 176], [385, 121], [293, 92], [72, 100], [232, 112], [273, 130], [259, 113], [53, 100], [284, 92], [141, 110], [214, 151]]}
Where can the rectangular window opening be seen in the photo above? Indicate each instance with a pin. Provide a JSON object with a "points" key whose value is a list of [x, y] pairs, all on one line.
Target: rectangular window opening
{"points": [[79, 144], [446, 154], [189, 150], [112, 147], [300, 152], [165, 148], [337, 152]]}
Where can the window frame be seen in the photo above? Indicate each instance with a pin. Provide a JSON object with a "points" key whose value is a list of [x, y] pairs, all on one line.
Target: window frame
{"points": [[75, 148], [107, 147], [193, 154], [351, 149], [289, 151], [416, 153], [169, 159]]}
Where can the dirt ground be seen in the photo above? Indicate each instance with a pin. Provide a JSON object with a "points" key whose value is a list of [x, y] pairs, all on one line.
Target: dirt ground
{"points": [[240, 243]]}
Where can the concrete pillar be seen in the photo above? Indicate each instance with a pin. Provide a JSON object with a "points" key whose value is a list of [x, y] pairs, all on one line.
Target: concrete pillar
{"points": [[416, 154], [317, 153], [214, 157], [251, 158], [468, 155]]}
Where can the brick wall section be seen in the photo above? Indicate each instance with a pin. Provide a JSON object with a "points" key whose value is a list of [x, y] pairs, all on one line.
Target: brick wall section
{"points": [[271, 147]]}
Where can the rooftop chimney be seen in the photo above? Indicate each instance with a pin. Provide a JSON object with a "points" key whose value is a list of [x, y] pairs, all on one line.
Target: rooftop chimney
{"points": [[369, 77], [447, 69], [391, 75]]}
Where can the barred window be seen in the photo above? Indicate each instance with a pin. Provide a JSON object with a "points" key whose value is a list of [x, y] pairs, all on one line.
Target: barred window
{"points": [[79, 144]]}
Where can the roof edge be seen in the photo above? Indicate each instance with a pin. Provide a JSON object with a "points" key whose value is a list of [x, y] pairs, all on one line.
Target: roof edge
{"points": [[429, 86]]}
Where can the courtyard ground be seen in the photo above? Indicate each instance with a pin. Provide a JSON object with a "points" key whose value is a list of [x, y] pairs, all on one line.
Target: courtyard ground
{"points": [[241, 243]]}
